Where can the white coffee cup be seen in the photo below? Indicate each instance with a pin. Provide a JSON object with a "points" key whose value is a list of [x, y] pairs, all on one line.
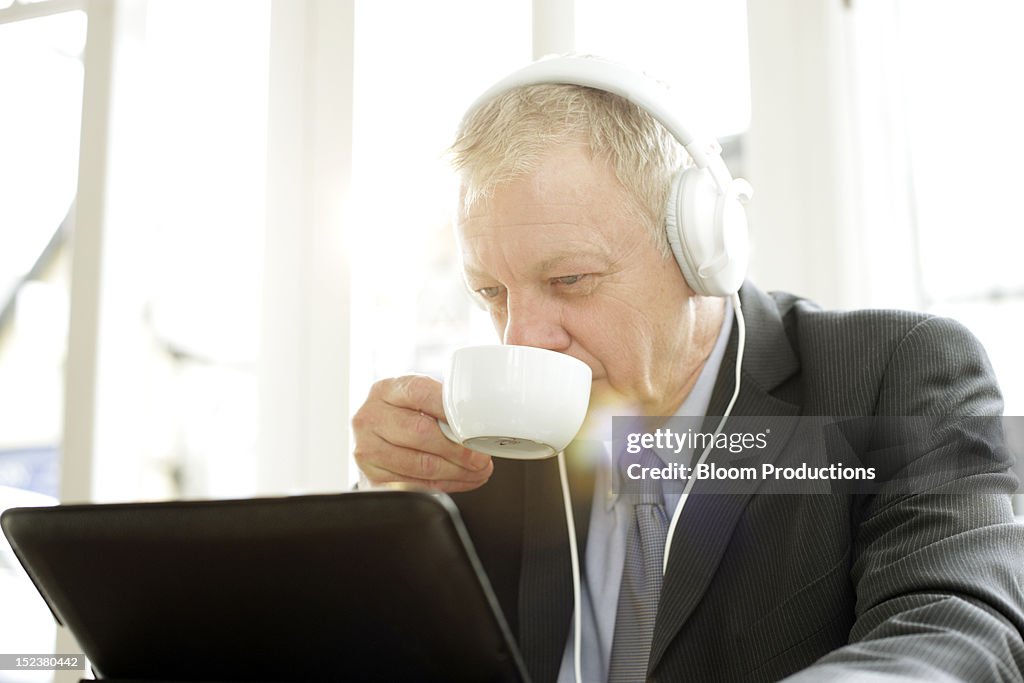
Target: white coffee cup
{"points": [[515, 401]]}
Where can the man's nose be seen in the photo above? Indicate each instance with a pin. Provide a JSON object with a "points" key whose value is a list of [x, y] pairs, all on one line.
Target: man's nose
{"points": [[533, 322]]}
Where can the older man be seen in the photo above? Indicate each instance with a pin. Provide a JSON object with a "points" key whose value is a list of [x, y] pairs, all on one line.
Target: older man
{"points": [[561, 228]]}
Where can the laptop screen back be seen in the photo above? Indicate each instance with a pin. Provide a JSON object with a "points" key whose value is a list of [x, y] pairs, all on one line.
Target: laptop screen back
{"points": [[378, 585]]}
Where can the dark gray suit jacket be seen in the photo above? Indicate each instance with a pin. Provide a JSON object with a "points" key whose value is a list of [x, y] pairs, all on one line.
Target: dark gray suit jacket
{"points": [[760, 587]]}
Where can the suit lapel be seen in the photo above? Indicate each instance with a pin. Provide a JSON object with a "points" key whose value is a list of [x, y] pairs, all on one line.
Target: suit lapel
{"points": [[707, 520], [705, 527]]}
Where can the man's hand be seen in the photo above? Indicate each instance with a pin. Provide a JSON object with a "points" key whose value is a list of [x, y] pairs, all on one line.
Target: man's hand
{"points": [[397, 439]]}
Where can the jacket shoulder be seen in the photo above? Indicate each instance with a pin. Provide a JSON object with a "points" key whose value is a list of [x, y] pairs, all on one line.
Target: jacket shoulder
{"points": [[884, 361]]}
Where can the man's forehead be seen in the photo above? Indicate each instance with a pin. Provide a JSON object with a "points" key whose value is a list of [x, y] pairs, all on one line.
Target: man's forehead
{"points": [[568, 210], [566, 174], [548, 227], [529, 200]]}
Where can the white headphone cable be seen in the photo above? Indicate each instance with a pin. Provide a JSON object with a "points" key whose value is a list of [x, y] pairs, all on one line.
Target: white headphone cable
{"points": [[574, 559], [742, 334]]}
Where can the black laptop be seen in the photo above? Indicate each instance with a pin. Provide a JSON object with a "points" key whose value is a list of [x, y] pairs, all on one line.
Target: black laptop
{"points": [[362, 586]]}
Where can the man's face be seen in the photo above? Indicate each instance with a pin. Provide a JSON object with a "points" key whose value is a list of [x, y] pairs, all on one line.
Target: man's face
{"points": [[559, 263]]}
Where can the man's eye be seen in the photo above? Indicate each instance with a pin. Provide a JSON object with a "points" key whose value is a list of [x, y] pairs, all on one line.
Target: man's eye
{"points": [[568, 279], [489, 292]]}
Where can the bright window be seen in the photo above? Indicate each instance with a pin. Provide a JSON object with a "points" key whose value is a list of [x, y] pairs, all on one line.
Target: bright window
{"points": [[411, 87], [960, 71], [41, 82], [697, 47], [41, 85]]}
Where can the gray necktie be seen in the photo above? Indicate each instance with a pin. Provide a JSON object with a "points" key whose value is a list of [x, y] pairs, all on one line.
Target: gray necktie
{"points": [[641, 579]]}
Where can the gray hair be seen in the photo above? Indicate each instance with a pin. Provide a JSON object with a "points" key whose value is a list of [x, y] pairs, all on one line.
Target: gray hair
{"points": [[509, 136]]}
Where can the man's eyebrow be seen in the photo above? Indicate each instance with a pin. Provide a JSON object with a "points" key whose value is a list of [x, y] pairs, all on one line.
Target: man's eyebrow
{"points": [[556, 261], [547, 265], [469, 272]]}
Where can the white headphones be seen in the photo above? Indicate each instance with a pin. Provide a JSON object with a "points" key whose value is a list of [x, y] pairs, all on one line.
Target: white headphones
{"points": [[706, 223]]}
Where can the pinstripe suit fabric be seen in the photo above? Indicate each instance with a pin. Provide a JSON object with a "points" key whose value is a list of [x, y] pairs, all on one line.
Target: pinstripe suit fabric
{"points": [[761, 587]]}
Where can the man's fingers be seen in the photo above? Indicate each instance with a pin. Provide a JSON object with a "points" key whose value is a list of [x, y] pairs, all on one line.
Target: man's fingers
{"points": [[397, 438], [418, 431], [443, 485], [411, 427], [415, 392], [401, 464]]}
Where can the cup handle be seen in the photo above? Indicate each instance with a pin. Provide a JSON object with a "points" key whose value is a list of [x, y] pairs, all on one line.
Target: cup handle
{"points": [[447, 431]]}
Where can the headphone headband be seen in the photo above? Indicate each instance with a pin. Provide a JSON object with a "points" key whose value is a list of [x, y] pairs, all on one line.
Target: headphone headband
{"points": [[705, 223], [632, 85]]}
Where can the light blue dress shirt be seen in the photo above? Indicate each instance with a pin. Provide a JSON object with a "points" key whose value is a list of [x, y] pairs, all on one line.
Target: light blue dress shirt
{"points": [[606, 539]]}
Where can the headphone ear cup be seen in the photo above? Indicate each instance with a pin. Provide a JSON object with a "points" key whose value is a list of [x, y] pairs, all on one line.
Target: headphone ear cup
{"points": [[707, 232], [674, 230]]}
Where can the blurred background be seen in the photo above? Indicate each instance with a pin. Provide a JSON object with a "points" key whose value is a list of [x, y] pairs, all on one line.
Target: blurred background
{"points": [[222, 220]]}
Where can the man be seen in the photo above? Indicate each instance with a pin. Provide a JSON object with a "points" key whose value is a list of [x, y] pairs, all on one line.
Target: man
{"points": [[561, 229]]}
